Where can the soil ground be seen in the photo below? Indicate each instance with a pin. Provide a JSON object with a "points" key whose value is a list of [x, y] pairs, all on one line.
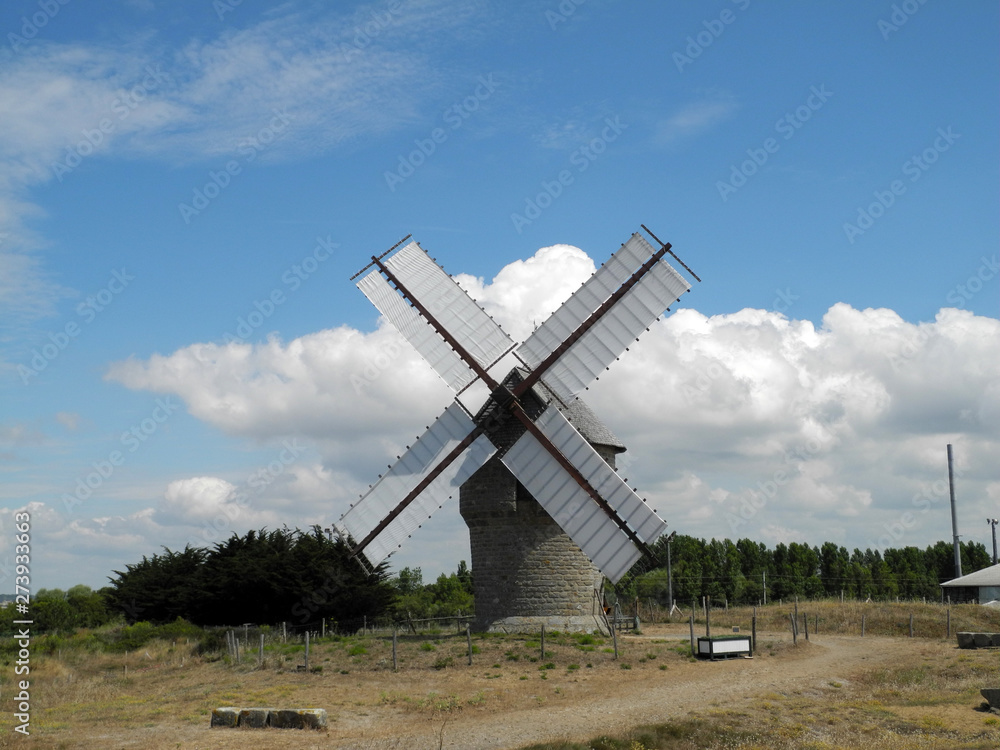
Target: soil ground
{"points": [[508, 699]]}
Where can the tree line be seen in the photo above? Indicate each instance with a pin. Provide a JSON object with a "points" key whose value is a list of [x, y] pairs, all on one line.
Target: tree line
{"points": [[749, 572], [303, 577]]}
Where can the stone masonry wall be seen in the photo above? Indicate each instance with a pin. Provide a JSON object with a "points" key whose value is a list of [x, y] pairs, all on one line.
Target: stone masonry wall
{"points": [[526, 569]]}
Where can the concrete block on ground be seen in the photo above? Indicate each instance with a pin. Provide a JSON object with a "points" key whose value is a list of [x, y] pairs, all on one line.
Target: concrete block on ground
{"points": [[992, 695], [983, 640], [979, 640], [255, 718], [313, 718], [278, 718], [227, 716], [299, 718]]}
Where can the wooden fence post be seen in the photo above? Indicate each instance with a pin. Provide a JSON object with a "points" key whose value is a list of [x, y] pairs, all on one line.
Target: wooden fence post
{"points": [[911, 624], [395, 662], [753, 633], [805, 622], [307, 651], [791, 619], [691, 622]]}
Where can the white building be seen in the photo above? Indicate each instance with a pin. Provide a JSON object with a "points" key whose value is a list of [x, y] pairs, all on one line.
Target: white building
{"points": [[983, 586]]}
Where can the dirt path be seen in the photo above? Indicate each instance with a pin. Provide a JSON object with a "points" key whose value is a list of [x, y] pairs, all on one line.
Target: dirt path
{"points": [[617, 705]]}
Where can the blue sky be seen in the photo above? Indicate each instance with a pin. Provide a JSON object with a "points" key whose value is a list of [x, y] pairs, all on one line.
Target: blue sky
{"points": [[168, 170]]}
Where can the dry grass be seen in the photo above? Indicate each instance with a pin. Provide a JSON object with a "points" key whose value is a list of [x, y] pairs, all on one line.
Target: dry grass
{"points": [[926, 704], [881, 618], [160, 697]]}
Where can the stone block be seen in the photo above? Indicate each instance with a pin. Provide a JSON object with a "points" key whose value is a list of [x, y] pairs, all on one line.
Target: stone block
{"points": [[299, 718], [966, 640], [313, 718], [226, 716], [278, 718], [992, 695], [983, 640], [255, 718]]}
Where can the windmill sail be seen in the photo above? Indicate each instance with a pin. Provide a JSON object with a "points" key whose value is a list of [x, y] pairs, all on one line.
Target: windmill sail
{"points": [[452, 307], [596, 349], [553, 461], [585, 300], [417, 331], [572, 506], [423, 457], [630, 507]]}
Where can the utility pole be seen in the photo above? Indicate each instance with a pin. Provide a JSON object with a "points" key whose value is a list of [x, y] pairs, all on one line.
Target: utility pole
{"points": [[670, 574], [954, 517], [993, 522]]}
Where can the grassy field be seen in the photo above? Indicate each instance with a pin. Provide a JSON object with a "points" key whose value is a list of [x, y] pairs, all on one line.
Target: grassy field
{"points": [[921, 694], [881, 618]]}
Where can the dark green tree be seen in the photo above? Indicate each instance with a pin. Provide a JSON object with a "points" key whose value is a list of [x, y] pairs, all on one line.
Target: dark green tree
{"points": [[161, 588], [262, 577]]}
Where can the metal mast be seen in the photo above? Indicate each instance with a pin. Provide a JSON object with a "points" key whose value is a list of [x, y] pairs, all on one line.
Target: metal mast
{"points": [[954, 517]]}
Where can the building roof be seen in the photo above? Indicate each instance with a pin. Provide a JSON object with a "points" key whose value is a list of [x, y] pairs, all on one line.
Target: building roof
{"points": [[583, 419], [986, 577]]}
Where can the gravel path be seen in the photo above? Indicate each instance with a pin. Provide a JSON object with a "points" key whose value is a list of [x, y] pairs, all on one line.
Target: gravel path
{"points": [[621, 704]]}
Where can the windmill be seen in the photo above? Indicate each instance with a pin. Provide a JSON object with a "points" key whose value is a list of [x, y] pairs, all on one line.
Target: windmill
{"points": [[525, 429]]}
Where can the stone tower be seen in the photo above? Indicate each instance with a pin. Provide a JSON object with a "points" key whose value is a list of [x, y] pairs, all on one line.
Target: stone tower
{"points": [[527, 571]]}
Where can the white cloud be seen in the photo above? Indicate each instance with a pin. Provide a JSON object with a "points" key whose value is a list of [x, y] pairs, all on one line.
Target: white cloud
{"points": [[695, 117], [68, 419], [289, 86], [832, 431], [746, 424], [197, 498], [524, 293]]}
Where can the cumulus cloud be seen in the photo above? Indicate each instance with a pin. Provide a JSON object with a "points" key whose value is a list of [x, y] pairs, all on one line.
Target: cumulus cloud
{"points": [[744, 424], [524, 293]]}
